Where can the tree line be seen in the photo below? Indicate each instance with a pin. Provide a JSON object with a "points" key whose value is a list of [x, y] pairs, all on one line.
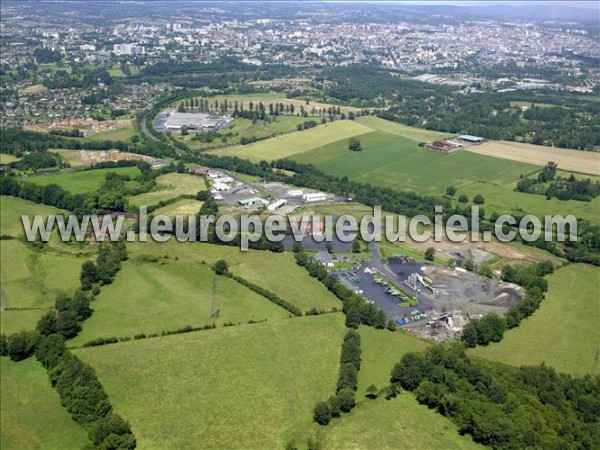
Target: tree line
{"points": [[504, 407], [80, 391], [344, 400]]}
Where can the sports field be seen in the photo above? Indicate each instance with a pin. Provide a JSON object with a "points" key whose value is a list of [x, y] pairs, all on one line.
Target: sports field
{"points": [[153, 297], [82, 181], [575, 160], [380, 351], [198, 389], [31, 415], [564, 332], [301, 141], [169, 186], [399, 423], [276, 272]]}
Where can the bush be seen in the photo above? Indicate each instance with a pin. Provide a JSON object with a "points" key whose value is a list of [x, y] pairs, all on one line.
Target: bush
{"points": [[322, 413], [20, 346]]}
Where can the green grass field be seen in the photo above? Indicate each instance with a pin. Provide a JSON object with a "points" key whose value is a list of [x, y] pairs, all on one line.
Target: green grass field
{"points": [[298, 142], [504, 199], [249, 386], [417, 134], [169, 186], [82, 181], [564, 332], [181, 207], [31, 279], [400, 423], [381, 350], [245, 128], [277, 272], [119, 134], [151, 297], [397, 162], [31, 414], [11, 210], [15, 320], [70, 156]]}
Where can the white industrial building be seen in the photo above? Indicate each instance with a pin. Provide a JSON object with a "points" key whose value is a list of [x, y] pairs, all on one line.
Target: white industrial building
{"points": [[314, 197], [175, 121], [276, 205], [295, 193], [220, 187]]}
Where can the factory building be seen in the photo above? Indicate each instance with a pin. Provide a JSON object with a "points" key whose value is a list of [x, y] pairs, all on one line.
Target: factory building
{"points": [[194, 122]]}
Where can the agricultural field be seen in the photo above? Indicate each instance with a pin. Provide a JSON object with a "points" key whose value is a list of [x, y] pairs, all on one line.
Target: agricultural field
{"points": [[11, 210], [169, 186], [15, 320], [417, 134], [380, 351], [32, 416], [276, 272], [504, 199], [290, 144], [177, 391], [392, 424], [31, 279], [184, 207], [150, 297], [564, 332], [124, 133], [241, 128], [5, 158], [398, 162], [81, 182], [573, 160]]}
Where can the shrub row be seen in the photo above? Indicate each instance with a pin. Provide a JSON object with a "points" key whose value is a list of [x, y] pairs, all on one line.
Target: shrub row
{"points": [[222, 268], [82, 395], [344, 399]]}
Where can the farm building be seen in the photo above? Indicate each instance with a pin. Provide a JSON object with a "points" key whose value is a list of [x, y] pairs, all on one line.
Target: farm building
{"points": [[314, 197], [175, 121], [443, 146], [276, 205], [247, 202], [471, 139], [199, 170]]}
